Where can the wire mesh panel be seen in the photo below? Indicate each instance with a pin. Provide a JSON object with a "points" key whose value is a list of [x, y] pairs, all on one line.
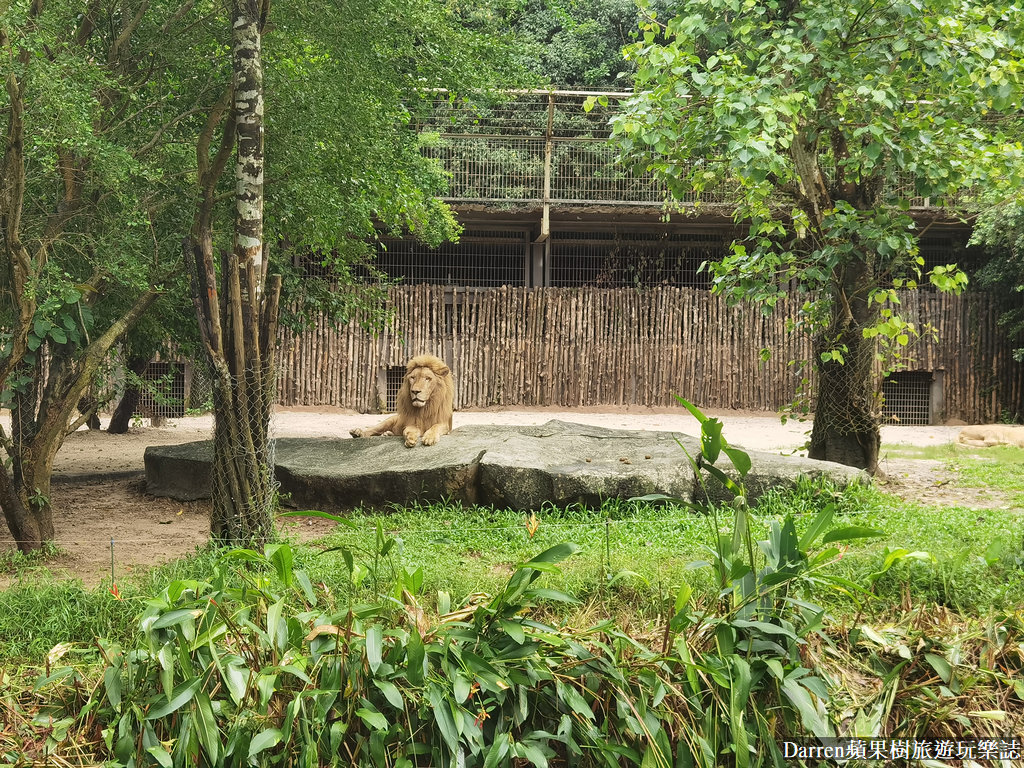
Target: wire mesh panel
{"points": [[947, 248], [481, 259], [584, 172], [165, 393], [907, 398], [633, 259], [496, 148], [530, 113], [200, 394], [394, 375], [488, 168]]}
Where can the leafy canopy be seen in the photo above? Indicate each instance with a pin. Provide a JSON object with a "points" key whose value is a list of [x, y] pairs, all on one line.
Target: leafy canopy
{"points": [[1000, 230], [828, 122]]}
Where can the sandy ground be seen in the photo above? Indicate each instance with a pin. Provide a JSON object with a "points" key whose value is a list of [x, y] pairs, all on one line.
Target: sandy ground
{"points": [[99, 490]]}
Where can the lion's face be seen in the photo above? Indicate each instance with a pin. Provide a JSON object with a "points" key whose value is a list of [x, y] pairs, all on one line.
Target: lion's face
{"points": [[421, 382]]}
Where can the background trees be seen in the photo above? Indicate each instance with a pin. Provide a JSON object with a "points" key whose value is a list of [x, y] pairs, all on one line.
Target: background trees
{"points": [[1000, 230], [116, 120], [829, 121], [85, 216]]}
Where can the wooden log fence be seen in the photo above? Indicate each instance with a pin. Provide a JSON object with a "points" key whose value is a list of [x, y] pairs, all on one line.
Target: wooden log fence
{"points": [[573, 347]]}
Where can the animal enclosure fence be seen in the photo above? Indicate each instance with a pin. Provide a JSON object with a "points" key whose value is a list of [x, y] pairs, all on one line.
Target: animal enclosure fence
{"points": [[576, 347], [544, 147]]}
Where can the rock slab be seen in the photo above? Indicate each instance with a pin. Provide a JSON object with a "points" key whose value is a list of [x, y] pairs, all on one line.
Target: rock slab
{"points": [[525, 468]]}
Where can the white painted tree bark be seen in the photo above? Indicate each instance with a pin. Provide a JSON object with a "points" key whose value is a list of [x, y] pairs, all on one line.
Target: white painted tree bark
{"points": [[238, 313]]}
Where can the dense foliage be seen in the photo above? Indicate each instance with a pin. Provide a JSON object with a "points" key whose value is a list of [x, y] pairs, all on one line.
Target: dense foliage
{"points": [[115, 139], [833, 122], [251, 659], [1000, 229]]}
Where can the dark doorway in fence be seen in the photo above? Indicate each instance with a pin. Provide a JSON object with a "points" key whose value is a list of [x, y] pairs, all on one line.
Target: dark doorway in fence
{"points": [[912, 398]]}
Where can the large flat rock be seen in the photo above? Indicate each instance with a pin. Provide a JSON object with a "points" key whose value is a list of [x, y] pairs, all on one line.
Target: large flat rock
{"points": [[525, 467]]}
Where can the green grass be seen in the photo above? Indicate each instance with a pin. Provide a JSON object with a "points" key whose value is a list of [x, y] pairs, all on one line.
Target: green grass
{"points": [[977, 553], [39, 611], [1000, 467], [462, 550]]}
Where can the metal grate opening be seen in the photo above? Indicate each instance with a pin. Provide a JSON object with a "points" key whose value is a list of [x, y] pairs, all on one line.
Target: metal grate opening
{"points": [[633, 259], [394, 376], [166, 392], [907, 398], [481, 259]]}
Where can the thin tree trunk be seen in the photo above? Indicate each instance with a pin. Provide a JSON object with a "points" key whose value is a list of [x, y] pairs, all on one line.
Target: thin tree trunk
{"points": [[28, 534], [238, 320], [122, 418], [846, 428]]}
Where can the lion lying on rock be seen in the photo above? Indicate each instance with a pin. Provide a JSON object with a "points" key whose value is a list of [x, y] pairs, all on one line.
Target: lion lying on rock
{"points": [[987, 435], [424, 405]]}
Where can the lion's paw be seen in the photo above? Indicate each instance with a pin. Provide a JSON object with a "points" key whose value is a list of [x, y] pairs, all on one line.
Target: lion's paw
{"points": [[356, 432], [410, 442], [430, 439]]}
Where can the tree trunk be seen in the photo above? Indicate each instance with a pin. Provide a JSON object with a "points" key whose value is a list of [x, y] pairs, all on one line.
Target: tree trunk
{"points": [[30, 528], [40, 422], [122, 418], [846, 414], [239, 322]]}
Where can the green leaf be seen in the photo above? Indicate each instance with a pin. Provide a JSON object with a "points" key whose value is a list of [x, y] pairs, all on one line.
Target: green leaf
{"points": [[711, 439], [374, 646], [373, 719], [821, 521], [183, 693], [763, 626], [499, 748], [554, 554], [513, 629], [265, 739], [572, 697], [740, 459], [849, 533], [391, 693], [161, 756], [281, 557], [306, 586], [173, 618], [813, 718], [415, 653], [532, 753], [461, 688], [541, 593], [236, 678], [941, 666], [112, 685], [444, 719], [206, 727]]}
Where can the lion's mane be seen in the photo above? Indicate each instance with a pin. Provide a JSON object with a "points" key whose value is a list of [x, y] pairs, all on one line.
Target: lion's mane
{"points": [[439, 407]]}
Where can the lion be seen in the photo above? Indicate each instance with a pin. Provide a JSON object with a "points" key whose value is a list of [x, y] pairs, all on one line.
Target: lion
{"points": [[424, 406], [987, 435]]}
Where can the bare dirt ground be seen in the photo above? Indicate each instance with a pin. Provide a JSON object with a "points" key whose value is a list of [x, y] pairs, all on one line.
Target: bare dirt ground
{"points": [[99, 488]]}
